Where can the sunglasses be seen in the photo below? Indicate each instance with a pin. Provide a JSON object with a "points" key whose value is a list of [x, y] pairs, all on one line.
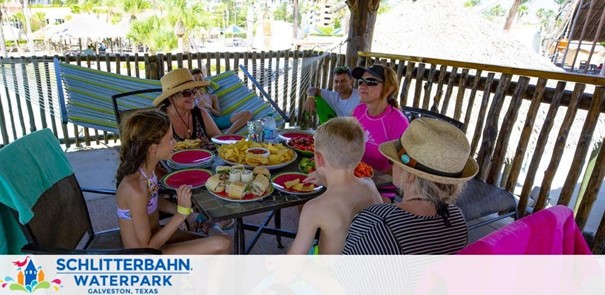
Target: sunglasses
{"points": [[188, 92], [368, 81]]}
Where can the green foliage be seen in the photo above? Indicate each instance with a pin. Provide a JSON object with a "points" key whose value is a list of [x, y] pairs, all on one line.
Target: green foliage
{"points": [[545, 16], [38, 21], [523, 10], [472, 3], [384, 8], [282, 12], [560, 2], [494, 12]]}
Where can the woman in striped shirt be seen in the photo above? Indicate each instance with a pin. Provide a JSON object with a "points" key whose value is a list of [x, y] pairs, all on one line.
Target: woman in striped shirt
{"points": [[431, 162]]}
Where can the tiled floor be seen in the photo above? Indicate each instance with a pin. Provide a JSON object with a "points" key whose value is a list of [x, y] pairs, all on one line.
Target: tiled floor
{"points": [[96, 168]]}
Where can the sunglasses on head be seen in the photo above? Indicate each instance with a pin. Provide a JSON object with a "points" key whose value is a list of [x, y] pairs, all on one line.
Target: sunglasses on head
{"points": [[368, 81], [188, 92]]}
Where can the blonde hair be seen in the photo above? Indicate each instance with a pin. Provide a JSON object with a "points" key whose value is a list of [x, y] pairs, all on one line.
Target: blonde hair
{"points": [[437, 192], [341, 141]]}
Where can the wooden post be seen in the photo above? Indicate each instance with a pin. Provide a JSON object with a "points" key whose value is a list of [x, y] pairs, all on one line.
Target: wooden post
{"points": [[361, 27], [559, 147], [505, 130], [439, 94], [471, 100], [449, 90], [582, 147], [490, 132], [405, 89], [482, 109], [592, 192], [511, 182], [418, 85]]}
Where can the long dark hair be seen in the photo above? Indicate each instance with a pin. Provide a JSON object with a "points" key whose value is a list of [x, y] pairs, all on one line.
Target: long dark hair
{"points": [[139, 131]]}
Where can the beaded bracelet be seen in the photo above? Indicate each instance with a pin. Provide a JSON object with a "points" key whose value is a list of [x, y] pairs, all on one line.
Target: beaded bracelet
{"points": [[182, 210]]}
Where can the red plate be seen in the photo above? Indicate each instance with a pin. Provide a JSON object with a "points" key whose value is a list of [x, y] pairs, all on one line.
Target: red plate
{"points": [[279, 182], [193, 177], [188, 157], [247, 198], [227, 138], [287, 135]]}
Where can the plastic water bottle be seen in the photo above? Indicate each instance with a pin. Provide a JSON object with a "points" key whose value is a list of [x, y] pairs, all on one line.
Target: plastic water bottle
{"points": [[269, 127]]}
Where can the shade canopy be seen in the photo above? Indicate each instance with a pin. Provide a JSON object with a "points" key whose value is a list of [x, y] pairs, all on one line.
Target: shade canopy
{"points": [[84, 26], [589, 17]]}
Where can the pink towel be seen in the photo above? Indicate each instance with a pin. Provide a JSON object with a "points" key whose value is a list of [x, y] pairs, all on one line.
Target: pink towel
{"points": [[549, 231]]}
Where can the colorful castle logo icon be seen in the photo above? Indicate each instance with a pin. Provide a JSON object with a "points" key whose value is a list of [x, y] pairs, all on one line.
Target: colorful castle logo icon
{"points": [[29, 278]]}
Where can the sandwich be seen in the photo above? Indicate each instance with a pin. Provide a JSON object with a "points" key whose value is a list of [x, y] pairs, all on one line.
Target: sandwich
{"points": [[223, 172], [259, 185], [215, 184], [247, 176], [237, 190], [262, 170]]}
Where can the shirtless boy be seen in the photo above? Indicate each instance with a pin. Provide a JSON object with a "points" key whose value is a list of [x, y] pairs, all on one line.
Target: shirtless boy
{"points": [[339, 146]]}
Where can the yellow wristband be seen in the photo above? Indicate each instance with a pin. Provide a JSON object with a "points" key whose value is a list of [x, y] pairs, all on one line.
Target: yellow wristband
{"points": [[182, 210]]}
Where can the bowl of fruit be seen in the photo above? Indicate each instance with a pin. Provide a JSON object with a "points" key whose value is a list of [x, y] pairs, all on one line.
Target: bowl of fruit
{"points": [[306, 165], [305, 146]]}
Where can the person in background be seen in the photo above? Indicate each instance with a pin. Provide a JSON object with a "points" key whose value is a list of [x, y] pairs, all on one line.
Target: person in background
{"points": [[231, 122], [342, 100], [337, 152], [431, 162], [178, 101], [147, 139], [378, 113]]}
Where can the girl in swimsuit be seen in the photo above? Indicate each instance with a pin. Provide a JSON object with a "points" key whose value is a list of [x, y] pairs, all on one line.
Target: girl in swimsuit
{"points": [[147, 138]]}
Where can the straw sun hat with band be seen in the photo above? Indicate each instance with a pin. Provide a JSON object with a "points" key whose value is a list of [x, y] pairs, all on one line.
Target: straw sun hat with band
{"points": [[434, 150], [176, 81]]}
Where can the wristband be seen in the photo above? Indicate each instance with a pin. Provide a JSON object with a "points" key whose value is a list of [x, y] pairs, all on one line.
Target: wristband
{"points": [[182, 210]]}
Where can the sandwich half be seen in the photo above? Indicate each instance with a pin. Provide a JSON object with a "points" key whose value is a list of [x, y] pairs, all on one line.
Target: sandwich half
{"points": [[259, 185]]}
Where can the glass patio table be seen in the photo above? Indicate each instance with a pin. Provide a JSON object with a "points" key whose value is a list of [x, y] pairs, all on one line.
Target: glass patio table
{"points": [[218, 210]]}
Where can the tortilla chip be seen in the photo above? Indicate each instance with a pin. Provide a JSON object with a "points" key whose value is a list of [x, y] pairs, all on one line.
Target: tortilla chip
{"points": [[292, 183]]}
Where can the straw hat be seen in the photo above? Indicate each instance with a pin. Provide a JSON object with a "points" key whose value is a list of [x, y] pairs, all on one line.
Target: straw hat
{"points": [[434, 150], [176, 81]]}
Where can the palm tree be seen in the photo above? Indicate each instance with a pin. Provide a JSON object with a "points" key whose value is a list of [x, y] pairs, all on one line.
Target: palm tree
{"points": [[134, 7], [27, 13]]}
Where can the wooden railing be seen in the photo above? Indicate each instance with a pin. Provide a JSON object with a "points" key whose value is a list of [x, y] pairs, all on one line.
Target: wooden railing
{"points": [[495, 131], [475, 94], [300, 69]]}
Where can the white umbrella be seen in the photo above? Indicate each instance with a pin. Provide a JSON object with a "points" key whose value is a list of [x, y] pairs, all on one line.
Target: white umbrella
{"points": [[86, 26]]}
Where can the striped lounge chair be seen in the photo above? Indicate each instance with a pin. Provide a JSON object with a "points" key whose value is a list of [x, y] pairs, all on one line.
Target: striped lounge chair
{"points": [[86, 95]]}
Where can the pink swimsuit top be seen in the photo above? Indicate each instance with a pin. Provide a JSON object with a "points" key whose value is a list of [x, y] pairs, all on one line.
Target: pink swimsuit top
{"points": [[152, 191]]}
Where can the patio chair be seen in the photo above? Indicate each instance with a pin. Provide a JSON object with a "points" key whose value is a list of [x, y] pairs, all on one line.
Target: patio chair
{"points": [[39, 189], [548, 231], [478, 199], [413, 113]]}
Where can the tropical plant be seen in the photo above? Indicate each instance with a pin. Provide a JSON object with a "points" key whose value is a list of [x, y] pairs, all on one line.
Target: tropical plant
{"points": [[494, 12], [134, 7], [2, 41], [472, 3]]}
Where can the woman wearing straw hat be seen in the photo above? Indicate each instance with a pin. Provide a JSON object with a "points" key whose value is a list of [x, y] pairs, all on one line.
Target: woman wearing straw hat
{"points": [[378, 113], [430, 163], [179, 89], [178, 101]]}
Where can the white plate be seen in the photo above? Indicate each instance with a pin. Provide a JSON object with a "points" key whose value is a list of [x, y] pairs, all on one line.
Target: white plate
{"points": [[227, 138], [270, 167], [291, 176], [224, 196]]}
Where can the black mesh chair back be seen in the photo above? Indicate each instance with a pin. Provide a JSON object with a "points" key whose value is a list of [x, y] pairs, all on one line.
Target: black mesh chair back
{"points": [[121, 112], [413, 113], [56, 220]]}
